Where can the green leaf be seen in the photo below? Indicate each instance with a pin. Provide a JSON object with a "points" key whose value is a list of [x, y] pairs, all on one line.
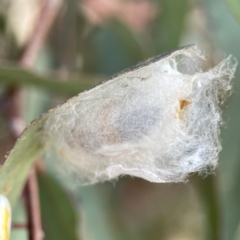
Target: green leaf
{"points": [[29, 146], [19, 162], [58, 214], [227, 38], [128, 40], [208, 193], [234, 7], [27, 149], [36, 138], [169, 27], [97, 224], [18, 76], [112, 48], [237, 233]]}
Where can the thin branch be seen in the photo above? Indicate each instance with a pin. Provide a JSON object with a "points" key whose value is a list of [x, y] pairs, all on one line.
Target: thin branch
{"points": [[19, 226], [33, 207], [45, 20]]}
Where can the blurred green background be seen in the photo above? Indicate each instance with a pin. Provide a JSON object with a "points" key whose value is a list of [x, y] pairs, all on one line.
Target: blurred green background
{"points": [[88, 41]]}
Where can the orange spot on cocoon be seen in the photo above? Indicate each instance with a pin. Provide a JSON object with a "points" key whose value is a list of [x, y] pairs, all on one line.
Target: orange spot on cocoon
{"points": [[183, 104]]}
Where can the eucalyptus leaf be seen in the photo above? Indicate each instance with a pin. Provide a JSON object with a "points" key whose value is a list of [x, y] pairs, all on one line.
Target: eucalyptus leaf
{"points": [[169, 27], [15, 170], [58, 213], [131, 124], [234, 7], [227, 37]]}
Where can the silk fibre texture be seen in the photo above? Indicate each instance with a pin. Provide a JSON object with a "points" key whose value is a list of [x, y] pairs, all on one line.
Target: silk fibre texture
{"points": [[160, 121]]}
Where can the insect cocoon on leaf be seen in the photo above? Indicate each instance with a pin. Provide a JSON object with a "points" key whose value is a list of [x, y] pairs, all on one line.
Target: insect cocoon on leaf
{"points": [[5, 218], [159, 121]]}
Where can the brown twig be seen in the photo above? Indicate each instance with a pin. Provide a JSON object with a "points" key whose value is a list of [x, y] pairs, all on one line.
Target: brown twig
{"points": [[33, 207], [45, 20], [19, 226]]}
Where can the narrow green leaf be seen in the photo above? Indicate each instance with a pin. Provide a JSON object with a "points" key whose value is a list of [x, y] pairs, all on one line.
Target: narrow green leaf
{"points": [[227, 38], [15, 170], [26, 150], [234, 7], [208, 193], [29, 147], [18, 76], [84, 115], [58, 214]]}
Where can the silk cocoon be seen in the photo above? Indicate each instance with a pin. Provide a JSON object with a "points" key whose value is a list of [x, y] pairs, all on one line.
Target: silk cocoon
{"points": [[159, 121]]}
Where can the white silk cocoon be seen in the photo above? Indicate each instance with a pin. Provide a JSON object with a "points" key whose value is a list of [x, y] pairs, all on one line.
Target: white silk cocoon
{"points": [[159, 121]]}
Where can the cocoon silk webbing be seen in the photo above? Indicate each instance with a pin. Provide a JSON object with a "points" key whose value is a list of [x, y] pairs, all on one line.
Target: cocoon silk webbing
{"points": [[159, 121]]}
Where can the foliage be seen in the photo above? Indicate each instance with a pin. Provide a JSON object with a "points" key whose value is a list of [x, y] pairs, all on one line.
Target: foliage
{"points": [[77, 47], [55, 202], [234, 6]]}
